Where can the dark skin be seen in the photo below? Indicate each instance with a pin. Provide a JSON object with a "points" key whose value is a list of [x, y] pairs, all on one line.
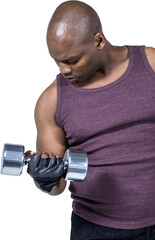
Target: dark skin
{"points": [[81, 51]]}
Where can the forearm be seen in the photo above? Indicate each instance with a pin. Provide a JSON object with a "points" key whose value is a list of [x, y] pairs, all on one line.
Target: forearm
{"points": [[56, 190]]}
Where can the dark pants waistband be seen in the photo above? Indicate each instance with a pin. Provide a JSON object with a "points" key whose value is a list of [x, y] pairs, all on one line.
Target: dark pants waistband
{"points": [[81, 229]]}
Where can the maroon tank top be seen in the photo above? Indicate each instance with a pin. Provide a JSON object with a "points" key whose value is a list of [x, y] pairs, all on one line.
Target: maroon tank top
{"points": [[115, 125]]}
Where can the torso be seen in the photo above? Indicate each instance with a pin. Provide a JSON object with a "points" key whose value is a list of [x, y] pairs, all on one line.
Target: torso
{"points": [[115, 125]]}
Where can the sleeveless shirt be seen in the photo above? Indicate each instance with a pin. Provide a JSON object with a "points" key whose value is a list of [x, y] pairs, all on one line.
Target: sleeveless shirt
{"points": [[115, 125]]}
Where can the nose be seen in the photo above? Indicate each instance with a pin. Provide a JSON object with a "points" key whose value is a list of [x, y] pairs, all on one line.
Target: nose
{"points": [[64, 68]]}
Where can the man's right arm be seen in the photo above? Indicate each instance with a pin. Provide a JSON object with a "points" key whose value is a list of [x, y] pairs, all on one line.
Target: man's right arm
{"points": [[50, 136]]}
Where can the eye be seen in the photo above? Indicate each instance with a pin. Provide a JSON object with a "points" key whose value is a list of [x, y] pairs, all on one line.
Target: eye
{"points": [[68, 62], [72, 61]]}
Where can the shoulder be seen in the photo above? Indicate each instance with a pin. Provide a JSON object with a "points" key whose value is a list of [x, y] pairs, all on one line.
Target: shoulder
{"points": [[150, 54], [47, 102]]}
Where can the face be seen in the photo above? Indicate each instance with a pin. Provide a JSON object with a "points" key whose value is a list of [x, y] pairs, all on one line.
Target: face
{"points": [[76, 61]]}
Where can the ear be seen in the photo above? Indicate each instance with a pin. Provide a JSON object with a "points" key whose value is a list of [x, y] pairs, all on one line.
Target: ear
{"points": [[99, 40]]}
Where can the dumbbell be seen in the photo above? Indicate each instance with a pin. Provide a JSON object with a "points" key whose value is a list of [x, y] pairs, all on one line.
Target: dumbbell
{"points": [[14, 158]]}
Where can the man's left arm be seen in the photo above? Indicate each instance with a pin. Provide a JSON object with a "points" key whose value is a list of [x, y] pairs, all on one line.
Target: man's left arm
{"points": [[150, 54]]}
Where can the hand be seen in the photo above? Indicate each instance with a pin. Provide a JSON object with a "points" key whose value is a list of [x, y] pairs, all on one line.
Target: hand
{"points": [[46, 169]]}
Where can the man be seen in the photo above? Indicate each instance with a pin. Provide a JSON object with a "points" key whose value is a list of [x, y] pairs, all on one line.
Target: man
{"points": [[102, 102]]}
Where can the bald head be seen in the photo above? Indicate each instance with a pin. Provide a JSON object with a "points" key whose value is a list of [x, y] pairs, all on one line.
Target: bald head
{"points": [[75, 21]]}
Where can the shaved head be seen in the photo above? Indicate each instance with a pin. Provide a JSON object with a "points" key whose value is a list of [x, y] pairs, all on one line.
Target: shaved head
{"points": [[75, 40], [73, 20]]}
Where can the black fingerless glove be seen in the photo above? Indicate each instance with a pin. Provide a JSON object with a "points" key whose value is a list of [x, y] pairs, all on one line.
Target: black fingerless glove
{"points": [[47, 172]]}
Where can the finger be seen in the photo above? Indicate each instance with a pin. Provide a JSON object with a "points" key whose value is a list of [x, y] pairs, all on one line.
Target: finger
{"points": [[28, 153], [34, 162], [44, 155], [38, 153], [51, 154], [43, 163], [58, 165], [52, 162], [59, 169], [59, 160]]}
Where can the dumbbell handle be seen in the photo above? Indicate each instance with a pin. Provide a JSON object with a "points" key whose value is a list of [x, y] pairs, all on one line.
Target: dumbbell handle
{"points": [[13, 160]]}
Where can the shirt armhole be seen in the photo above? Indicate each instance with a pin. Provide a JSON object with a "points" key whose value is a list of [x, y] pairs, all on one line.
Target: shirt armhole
{"points": [[146, 62]]}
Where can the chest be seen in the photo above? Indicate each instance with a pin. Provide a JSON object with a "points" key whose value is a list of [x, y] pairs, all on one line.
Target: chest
{"points": [[121, 106]]}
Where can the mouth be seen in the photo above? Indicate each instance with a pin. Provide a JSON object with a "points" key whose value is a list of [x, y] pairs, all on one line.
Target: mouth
{"points": [[71, 78]]}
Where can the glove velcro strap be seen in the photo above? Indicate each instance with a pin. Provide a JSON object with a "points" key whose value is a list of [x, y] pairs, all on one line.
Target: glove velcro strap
{"points": [[48, 186]]}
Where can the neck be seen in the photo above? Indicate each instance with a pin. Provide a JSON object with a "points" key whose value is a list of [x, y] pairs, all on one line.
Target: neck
{"points": [[111, 57]]}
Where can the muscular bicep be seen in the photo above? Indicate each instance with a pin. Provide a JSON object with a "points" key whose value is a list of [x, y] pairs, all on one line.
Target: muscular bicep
{"points": [[50, 136]]}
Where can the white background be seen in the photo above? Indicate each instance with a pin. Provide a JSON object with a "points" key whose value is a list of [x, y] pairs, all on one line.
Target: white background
{"points": [[26, 69]]}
